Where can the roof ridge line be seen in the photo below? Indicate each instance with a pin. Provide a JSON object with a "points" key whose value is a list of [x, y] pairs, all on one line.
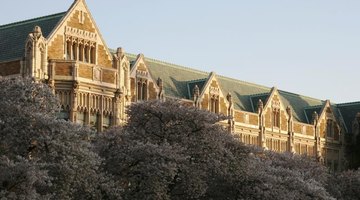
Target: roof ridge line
{"points": [[260, 94], [197, 80], [316, 106], [241, 81], [300, 95], [224, 77], [172, 64], [30, 20], [348, 103]]}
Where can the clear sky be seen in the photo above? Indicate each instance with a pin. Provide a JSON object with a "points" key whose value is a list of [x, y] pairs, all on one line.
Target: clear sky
{"points": [[310, 47]]}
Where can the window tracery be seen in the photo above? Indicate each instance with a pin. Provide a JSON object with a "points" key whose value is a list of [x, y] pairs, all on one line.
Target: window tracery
{"points": [[329, 128], [214, 103], [142, 89], [80, 45], [276, 114]]}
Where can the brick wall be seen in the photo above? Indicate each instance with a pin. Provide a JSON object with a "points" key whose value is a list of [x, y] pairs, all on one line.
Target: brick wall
{"points": [[56, 49], [254, 119], [103, 58], [283, 121], [297, 128], [223, 107], [152, 91], [63, 69], [85, 71], [239, 117], [108, 76], [268, 118], [74, 22], [133, 89], [205, 102], [9, 68]]}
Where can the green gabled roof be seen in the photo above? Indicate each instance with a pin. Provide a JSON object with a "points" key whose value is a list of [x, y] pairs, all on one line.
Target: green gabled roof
{"points": [[191, 85], [255, 100], [348, 112], [175, 78], [178, 82], [13, 36], [298, 103], [241, 92], [309, 111]]}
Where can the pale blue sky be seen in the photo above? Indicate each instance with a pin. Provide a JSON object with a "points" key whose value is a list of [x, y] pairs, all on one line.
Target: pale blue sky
{"points": [[310, 47]]}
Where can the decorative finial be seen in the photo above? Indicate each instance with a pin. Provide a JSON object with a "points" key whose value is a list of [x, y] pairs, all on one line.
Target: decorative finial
{"points": [[229, 97], [160, 82], [196, 91], [260, 105], [37, 33], [315, 117], [289, 110]]}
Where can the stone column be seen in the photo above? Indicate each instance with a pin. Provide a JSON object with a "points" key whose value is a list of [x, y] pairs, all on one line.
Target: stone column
{"points": [[231, 126], [87, 113], [196, 95], [117, 107], [291, 137], [51, 79], [160, 94], [100, 117], [262, 131], [73, 111], [315, 121]]}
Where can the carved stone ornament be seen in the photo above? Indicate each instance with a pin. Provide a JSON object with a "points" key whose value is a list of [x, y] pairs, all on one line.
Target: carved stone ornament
{"points": [[275, 104], [196, 91], [141, 74], [315, 117], [229, 97], [260, 106], [160, 82], [214, 91], [78, 33], [37, 33], [75, 85]]}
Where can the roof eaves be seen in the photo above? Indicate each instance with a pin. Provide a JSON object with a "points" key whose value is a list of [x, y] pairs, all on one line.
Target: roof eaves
{"points": [[24, 22], [349, 104]]}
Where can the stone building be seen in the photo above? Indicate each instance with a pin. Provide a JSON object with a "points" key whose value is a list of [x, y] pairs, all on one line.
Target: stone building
{"points": [[95, 84]]}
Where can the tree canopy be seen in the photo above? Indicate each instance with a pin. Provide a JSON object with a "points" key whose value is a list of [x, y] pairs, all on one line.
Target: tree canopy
{"points": [[167, 150]]}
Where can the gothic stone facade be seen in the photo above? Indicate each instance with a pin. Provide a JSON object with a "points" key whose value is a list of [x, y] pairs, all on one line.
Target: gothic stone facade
{"points": [[95, 84]]}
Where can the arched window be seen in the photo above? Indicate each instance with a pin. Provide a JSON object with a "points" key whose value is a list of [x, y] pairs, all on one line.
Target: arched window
{"points": [[329, 128], [139, 91], [43, 64], [214, 104], [92, 55], [68, 50], [276, 117], [144, 91], [74, 51], [86, 53], [81, 52]]}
